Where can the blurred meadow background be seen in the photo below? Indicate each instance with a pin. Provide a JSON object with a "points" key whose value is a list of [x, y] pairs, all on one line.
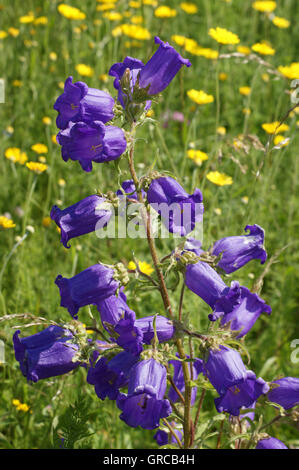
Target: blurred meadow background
{"points": [[216, 127]]}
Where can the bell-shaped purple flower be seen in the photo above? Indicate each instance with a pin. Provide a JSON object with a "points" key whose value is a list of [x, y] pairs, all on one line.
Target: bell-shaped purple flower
{"points": [[164, 327], [163, 438], [117, 70], [270, 443], [86, 288], [78, 102], [162, 67], [129, 189], [129, 336], [113, 308], [92, 142], [237, 386], [144, 404], [45, 354], [239, 250], [287, 392], [109, 376], [178, 377], [179, 210], [81, 218]]}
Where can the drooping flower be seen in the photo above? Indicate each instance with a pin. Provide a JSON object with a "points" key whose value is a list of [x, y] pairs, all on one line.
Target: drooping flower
{"points": [[88, 287], [144, 405], [109, 376], [239, 250], [237, 386], [81, 218], [287, 392], [45, 354], [129, 190], [112, 309], [164, 328], [179, 210], [195, 368], [93, 142], [78, 102], [270, 443], [117, 70], [129, 336], [161, 69]]}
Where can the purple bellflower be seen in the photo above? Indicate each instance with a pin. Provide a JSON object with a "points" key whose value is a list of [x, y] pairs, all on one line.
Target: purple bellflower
{"points": [[179, 210], [270, 443], [162, 437], [287, 392], [45, 354], [81, 218], [178, 378], [237, 386], [239, 250], [91, 142], [78, 102], [108, 376], [86, 288], [144, 405], [162, 67], [164, 327]]}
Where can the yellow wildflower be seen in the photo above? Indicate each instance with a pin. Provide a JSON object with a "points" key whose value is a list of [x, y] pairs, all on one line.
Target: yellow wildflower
{"points": [[143, 266], [42, 159], [37, 167], [17, 83], [221, 179], [71, 13], [218, 211], [265, 77], [46, 120], [39, 148], [223, 36], [134, 4], [84, 70], [16, 155], [290, 71], [189, 8], [200, 97], [150, 113], [244, 50], [245, 90], [53, 138], [10, 129], [117, 31], [281, 141], [137, 19], [16, 402], [104, 77], [222, 76], [105, 7], [264, 6], [135, 32], [152, 3], [245, 199], [263, 48], [165, 12], [274, 127], [3, 34], [281, 22], [106, 1], [113, 16], [23, 407], [221, 130], [13, 32], [197, 156], [246, 111], [53, 56], [202, 51], [41, 20], [46, 222], [61, 182], [26, 19], [5, 222]]}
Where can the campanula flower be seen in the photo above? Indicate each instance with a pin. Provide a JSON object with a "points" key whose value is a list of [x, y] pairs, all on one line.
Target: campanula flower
{"points": [[86, 288], [113, 308], [129, 336], [162, 437], [178, 378], [237, 386], [81, 218], [164, 327], [45, 354], [239, 250], [93, 142], [179, 210], [78, 102], [287, 392], [162, 67], [108, 376], [144, 405], [270, 443]]}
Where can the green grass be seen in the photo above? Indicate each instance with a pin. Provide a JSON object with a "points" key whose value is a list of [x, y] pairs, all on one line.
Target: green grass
{"points": [[270, 181]]}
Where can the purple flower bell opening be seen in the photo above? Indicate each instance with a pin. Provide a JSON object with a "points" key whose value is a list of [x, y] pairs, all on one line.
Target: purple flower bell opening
{"points": [[178, 377], [45, 354], [78, 102], [164, 327], [129, 337], [83, 217], [113, 308], [162, 67], [270, 443], [237, 386], [286, 394], [144, 404], [239, 250], [108, 376], [86, 288], [163, 438], [93, 142], [179, 210]]}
